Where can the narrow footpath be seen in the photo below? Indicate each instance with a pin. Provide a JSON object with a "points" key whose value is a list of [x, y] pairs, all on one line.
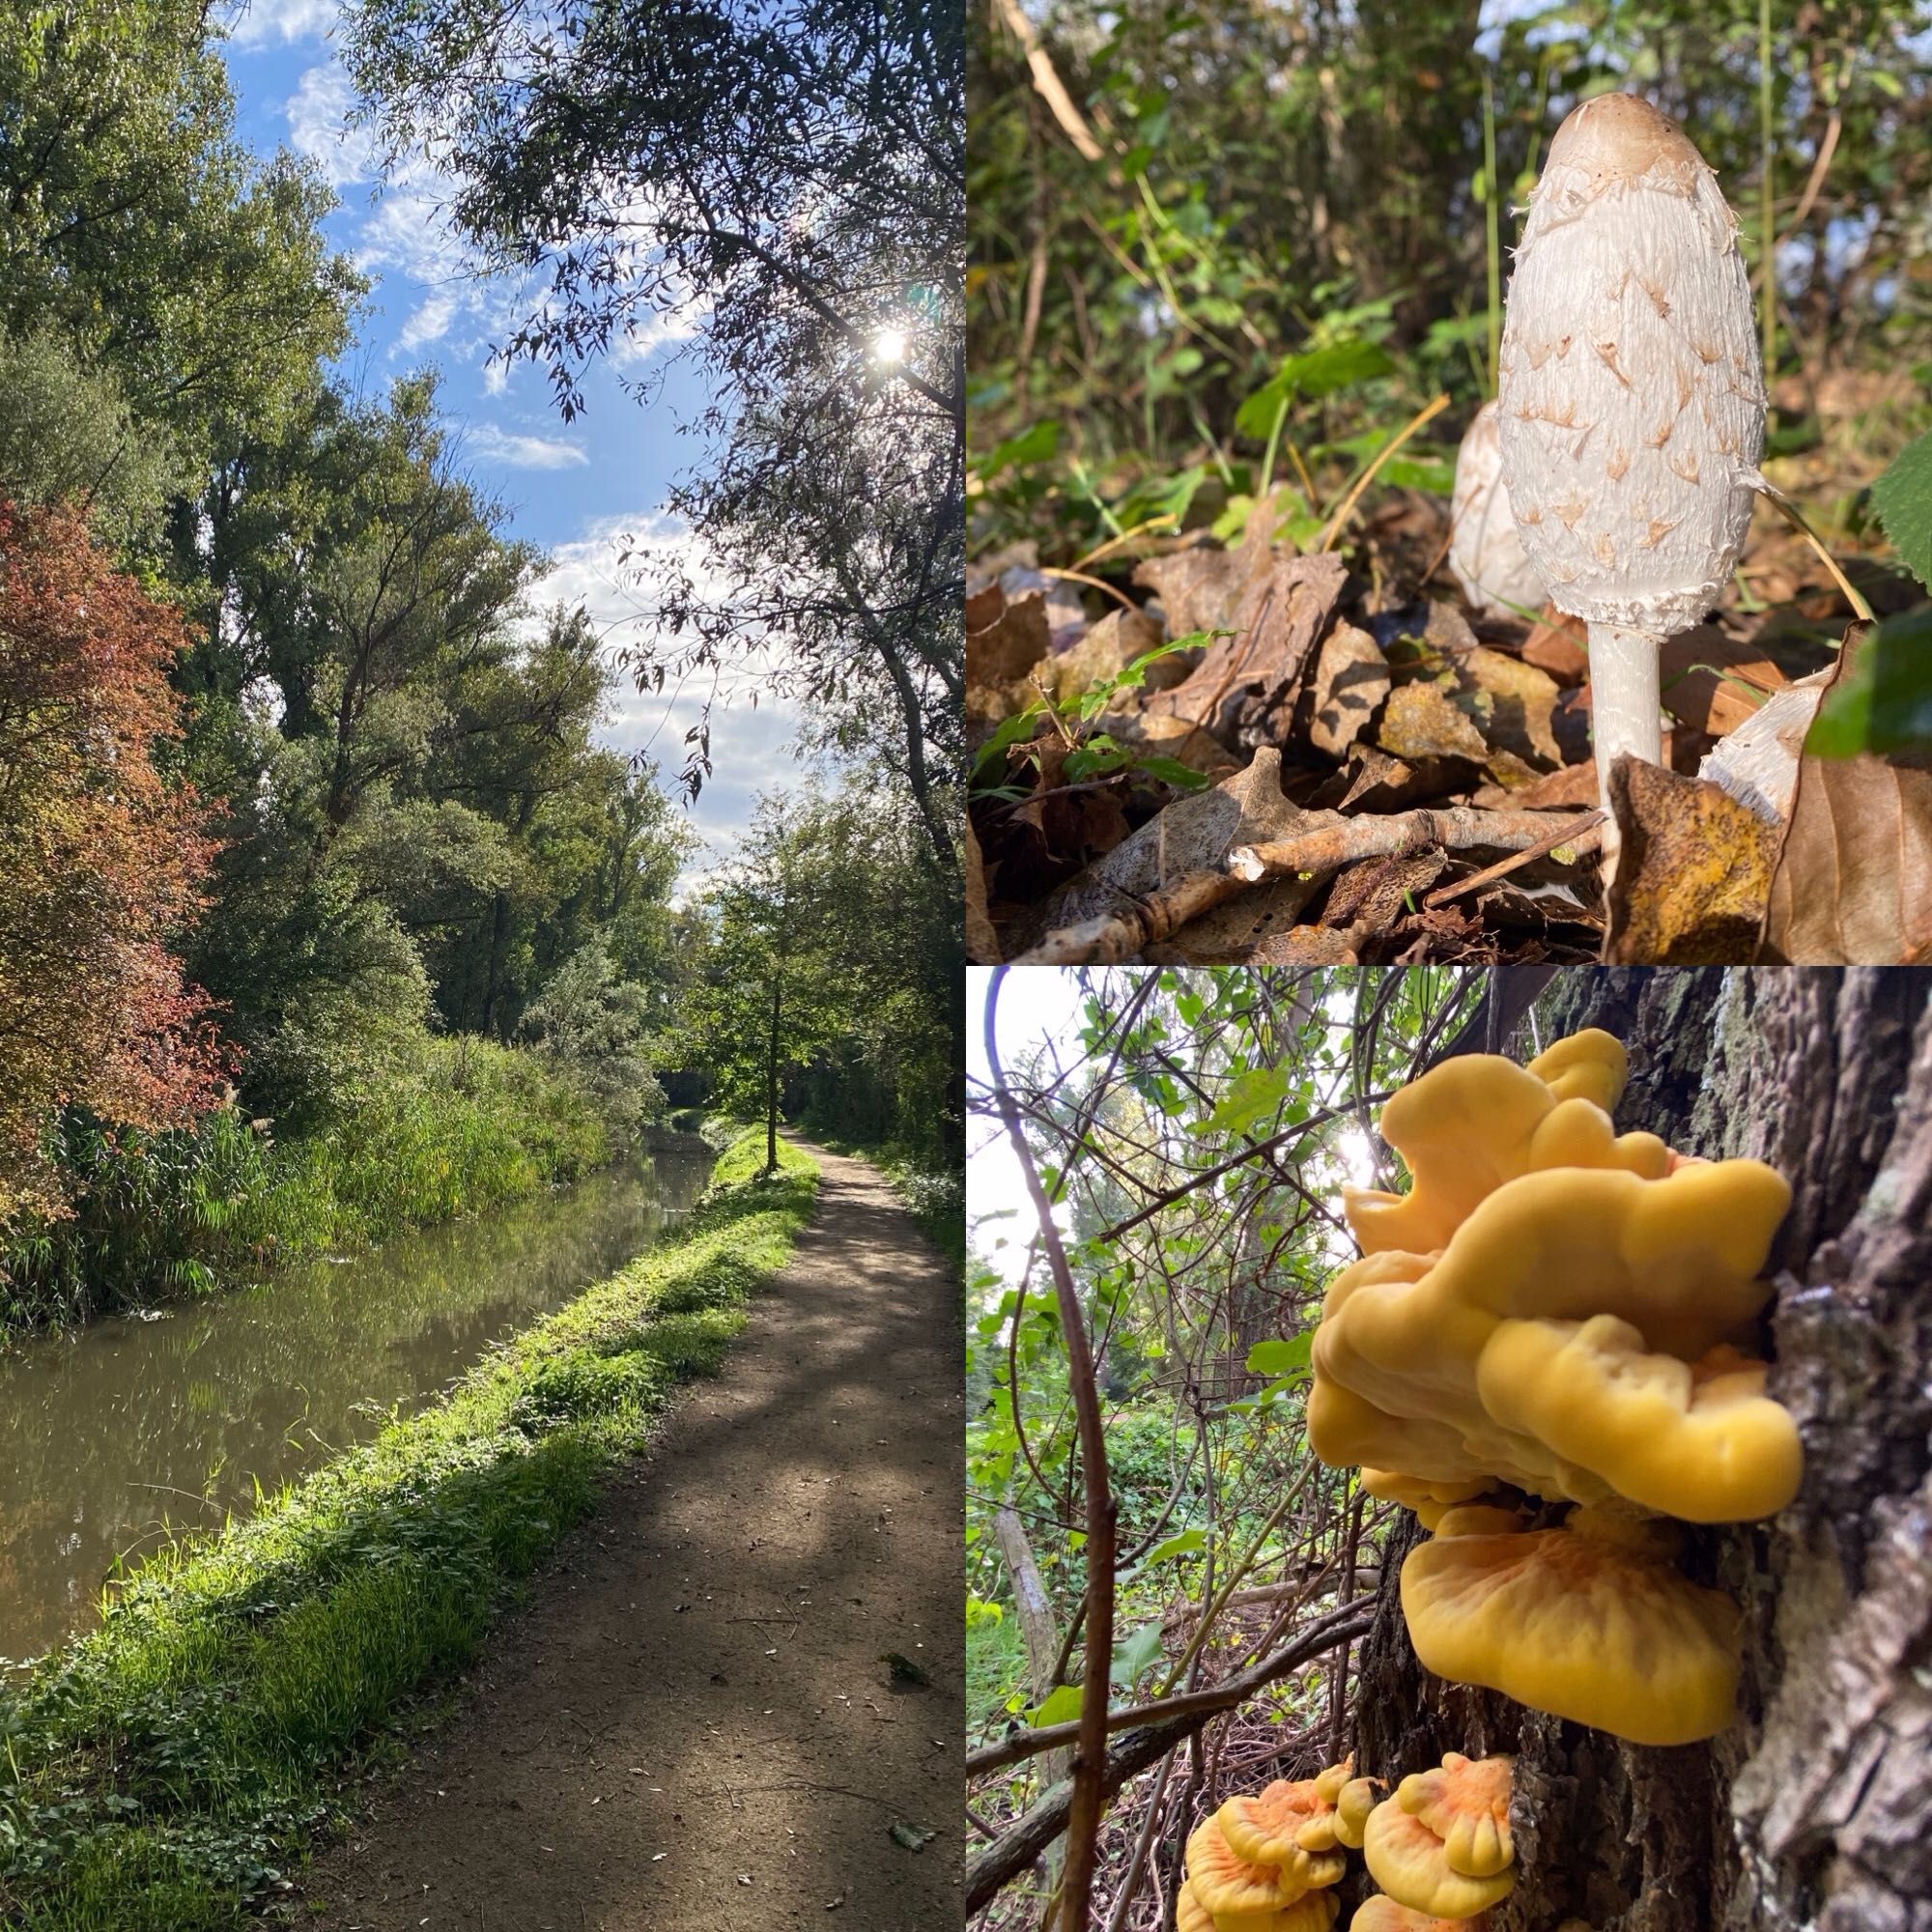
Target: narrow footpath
{"points": [[692, 1725]]}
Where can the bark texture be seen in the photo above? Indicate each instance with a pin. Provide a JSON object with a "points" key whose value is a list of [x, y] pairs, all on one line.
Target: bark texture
{"points": [[1814, 1809]]}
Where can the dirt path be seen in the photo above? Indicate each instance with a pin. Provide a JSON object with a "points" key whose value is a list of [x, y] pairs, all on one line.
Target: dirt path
{"points": [[690, 1729]]}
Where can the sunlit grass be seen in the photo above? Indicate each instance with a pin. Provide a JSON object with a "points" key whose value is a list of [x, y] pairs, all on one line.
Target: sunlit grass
{"points": [[169, 1768]]}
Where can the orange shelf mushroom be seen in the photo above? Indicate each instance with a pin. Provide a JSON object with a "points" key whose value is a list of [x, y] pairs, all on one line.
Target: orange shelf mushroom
{"points": [[1410, 1862], [1465, 1802], [1565, 1311], [1272, 1852], [1380, 1913], [1589, 1621]]}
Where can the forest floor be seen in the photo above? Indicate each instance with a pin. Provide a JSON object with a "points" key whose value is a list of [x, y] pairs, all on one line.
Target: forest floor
{"points": [[694, 1721]]}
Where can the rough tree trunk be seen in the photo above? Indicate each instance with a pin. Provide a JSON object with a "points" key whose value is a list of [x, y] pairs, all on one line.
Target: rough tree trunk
{"points": [[1815, 1809]]}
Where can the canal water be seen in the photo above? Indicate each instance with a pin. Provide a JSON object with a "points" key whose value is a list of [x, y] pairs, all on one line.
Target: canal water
{"points": [[113, 1439]]}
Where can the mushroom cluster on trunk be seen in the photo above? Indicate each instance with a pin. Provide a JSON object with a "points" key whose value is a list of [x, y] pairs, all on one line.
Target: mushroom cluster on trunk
{"points": [[1632, 400], [1550, 1316]]}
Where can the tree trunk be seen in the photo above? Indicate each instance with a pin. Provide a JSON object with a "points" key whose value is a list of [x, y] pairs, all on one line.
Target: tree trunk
{"points": [[772, 1079], [1814, 1809], [1040, 1628]]}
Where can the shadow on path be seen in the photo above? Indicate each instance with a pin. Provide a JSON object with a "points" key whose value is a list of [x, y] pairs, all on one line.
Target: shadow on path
{"points": [[691, 1725]]}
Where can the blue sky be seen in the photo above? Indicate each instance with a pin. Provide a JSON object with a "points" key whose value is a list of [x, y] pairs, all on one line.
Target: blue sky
{"points": [[575, 489]]}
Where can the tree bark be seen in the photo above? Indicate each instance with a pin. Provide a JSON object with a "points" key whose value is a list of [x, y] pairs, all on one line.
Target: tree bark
{"points": [[1814, 1809]]}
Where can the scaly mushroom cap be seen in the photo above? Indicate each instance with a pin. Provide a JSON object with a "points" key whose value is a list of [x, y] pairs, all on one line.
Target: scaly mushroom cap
{"points": [[1486, 552], [1467, 1803], [1584, 1622], [1353, 1805], [1384, 1915], [1700, 1441], [1632, 391], [1677, 1258], [1405, 1858], [1472, 1124]]}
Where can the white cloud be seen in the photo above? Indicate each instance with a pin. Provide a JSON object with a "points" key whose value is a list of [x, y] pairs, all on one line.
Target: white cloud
{"points": [[319, 131], [525, 452], [651, 332], [752, 727], [256, 23], [428, 322]]}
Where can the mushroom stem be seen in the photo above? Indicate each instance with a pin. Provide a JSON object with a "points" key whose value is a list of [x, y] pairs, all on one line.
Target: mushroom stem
{"points": [[1625, 712]]}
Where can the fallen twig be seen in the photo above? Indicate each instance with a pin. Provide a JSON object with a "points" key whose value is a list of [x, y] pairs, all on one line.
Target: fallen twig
{"points": [[1581, 835], [1120, 936]]}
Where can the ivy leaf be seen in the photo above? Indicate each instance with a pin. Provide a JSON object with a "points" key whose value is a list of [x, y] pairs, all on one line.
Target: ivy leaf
{"points": [[1903, 499], [1061, 1707], [1137, 1653], [1280, 1357], [1883, 700]]}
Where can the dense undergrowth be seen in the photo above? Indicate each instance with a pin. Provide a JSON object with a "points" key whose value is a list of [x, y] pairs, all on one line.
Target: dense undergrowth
{"points": [[457, 1126], [162, 1773]]}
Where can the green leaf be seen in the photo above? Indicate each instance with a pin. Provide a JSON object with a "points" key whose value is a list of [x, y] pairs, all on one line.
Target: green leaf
{"points": [[1186, 1543], [1280, 1357], [1903, 499], [1884, 702], [1038, 443], [1316, 372], [991, 763], [1256, 1093], [1061, 1707], [1137, 1653]]}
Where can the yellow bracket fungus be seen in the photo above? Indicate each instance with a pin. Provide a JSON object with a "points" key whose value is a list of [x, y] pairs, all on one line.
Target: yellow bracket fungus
{"points": [[1242, 1894], [1562, 1309], [1465, 1802], [1588, 1621], [1473, 1122], [1383, 1915], [1353, 1805], [1407, 1861], [1676, 1259]]}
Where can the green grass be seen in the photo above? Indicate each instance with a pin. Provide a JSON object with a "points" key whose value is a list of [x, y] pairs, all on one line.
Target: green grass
{"points": [[161, 1774], [460, 1125]]}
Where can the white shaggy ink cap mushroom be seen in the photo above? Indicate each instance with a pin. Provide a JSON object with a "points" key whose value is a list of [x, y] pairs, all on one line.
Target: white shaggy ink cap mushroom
{"points": [[1486, 551], [1632, 402]]}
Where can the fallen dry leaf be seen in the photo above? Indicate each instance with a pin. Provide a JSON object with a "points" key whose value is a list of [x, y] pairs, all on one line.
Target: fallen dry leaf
{"points": [[1107, 649], [1351, 682], [1713, 682], [1695, 873], [1243, 691], [1853, 885], [1422, 721], [1008, 640], [982, 945], [1194, 833], [1370, 897]]}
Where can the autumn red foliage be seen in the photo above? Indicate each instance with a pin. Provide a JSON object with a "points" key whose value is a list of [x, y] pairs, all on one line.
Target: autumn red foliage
{"points": [[103, 854]]}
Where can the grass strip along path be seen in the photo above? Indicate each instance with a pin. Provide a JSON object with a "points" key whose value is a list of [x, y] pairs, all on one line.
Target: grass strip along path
{"points": [[696, 1724], [161, 1774]]}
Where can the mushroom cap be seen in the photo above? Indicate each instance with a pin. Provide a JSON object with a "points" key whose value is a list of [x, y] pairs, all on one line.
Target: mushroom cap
{"points": [[1700, 1441], [1380, 1913], [1472, 1124], [1632, 391], [1465, 1802], [1313, 1913], [1353, 1805], [1329, 1782], [1265, 1827], [1486, 552], [1677, 1258], [1577, 1622], [1391, 1486], [1228, 1884], [1479, 1520], [1406, 1860]]}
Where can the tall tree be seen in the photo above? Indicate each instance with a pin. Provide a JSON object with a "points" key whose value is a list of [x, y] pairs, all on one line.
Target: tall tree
{"points": [[795, 176], [1816, 1810], [103, 854]]}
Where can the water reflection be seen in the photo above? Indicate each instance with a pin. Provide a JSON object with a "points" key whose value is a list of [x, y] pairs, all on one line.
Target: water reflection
{"points": [[110, 1436]]}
